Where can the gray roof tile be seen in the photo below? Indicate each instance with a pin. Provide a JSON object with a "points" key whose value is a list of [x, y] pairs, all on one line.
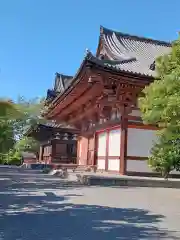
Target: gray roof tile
{"points": [[131, 53], [56, 125], [62, 82]]}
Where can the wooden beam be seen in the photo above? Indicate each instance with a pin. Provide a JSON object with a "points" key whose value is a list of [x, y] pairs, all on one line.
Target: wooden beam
{"points": [[90, 91]]}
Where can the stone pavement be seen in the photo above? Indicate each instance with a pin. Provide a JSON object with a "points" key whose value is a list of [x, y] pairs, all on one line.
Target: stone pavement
{"points": [[34, 206]]}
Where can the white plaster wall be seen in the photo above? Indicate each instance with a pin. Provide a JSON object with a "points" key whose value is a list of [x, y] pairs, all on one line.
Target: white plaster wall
{"points": [[114, 164], [138, 166], [101, 138], [113, 115], [136, 113], [141, 166], [114, 142], [175, 172], [140, 142], [101, 164], [118, 115]]}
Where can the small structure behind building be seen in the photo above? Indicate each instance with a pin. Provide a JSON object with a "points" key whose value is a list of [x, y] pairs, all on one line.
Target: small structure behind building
{"points": [[57, 143], [28, 158]]}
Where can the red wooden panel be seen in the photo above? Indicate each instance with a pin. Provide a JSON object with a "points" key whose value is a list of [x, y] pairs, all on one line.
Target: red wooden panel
{"points": [[82, 151]]}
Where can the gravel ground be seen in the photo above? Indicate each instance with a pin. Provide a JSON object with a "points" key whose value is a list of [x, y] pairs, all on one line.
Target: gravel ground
{"points": [[34, 206]]}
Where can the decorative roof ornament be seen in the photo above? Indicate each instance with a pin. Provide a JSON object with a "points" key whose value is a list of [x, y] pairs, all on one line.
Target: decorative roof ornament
{"points": [[57, 136], [101, 29], [153, 66], [74, 137], [87, 53], [65, 136], [57, 74]]}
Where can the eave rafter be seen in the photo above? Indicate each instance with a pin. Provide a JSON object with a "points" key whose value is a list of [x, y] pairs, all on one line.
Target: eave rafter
{"points": [[124, 95], [98, 93], [82, 101], [85, 111]]}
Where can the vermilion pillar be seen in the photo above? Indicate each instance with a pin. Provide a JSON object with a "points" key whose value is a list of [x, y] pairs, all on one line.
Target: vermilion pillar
{"points": [[123, 146]]}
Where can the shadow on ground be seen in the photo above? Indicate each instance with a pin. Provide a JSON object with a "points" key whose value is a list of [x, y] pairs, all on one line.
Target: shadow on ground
{"points": [[33, 180], [26, 214], [49, 217]]}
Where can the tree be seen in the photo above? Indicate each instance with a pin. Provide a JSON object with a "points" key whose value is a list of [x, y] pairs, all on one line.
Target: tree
{"points": [[15, 119], [8, 113], [166, 152], [9, 110], [32, 110], [161, 101], [6, 136], [160, 105], [27, 144]]}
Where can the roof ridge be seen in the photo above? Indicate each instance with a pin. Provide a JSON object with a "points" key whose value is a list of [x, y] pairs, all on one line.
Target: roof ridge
{"points": [[63, 75], [104, 30]]}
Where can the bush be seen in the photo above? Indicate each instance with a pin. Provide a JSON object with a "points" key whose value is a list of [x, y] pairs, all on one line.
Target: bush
{"points": [[165, 156]]}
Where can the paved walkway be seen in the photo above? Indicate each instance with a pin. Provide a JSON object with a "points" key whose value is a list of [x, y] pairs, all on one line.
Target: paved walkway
{"points": [[39, 207]]}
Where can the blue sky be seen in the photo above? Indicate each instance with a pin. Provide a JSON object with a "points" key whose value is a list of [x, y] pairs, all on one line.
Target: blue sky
{"points": [[41, 37]]}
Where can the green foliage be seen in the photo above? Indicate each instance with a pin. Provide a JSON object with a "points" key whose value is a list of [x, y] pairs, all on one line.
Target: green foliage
{"points": [[161, 101], [12, 157], [15, 119], [32, 114], [6, 136], [160, 105], [27, 144], [166, 152], [9, 110]]}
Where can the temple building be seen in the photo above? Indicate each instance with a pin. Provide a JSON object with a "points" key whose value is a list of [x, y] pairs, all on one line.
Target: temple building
{"points": [[101, 102], [58, 144]]}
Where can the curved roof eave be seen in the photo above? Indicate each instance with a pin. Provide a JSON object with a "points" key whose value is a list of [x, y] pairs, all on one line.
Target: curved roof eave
{"points": [[108, 67], [75, 80], [73, 83], [118, 46]]}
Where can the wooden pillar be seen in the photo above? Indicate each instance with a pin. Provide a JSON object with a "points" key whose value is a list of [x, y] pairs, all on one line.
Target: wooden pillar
{"points": [[78, 150], [95, 149], [50, 152], [53, 149], [107, 151], [40, 153], [123, 146], [82, 150]]}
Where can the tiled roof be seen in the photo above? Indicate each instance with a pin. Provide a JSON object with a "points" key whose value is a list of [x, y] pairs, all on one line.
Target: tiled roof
{"points": [[49, 124], [62, 82], [130, 53], [55, 125]]}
